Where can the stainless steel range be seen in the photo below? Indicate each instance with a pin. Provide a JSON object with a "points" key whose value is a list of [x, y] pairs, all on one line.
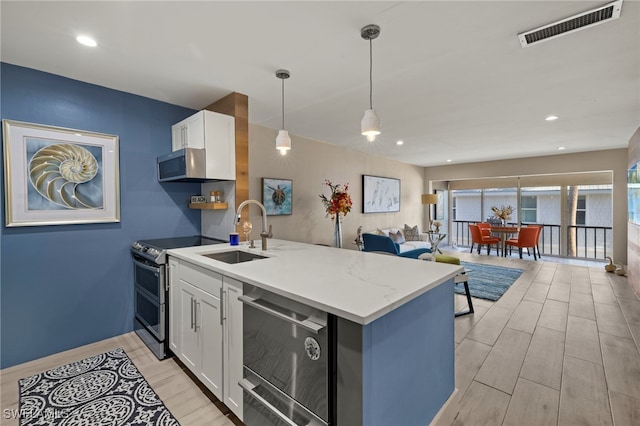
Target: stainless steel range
{"points": [[151, 321]]}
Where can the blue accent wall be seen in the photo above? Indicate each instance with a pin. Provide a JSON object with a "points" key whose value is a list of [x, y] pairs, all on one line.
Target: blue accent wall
{"points": [[63, 286], [408, 361]]}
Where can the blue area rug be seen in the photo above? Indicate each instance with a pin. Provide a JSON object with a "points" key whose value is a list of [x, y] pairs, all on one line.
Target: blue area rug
{"points": [[488, 281]]}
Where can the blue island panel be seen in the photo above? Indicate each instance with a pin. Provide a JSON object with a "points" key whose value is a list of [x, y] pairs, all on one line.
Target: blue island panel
{"points": [[408, 361]]}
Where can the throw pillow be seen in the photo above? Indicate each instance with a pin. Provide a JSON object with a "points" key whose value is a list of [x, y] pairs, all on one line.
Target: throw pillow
{"points": [[384, 232], [411, 234], [397, 237]]}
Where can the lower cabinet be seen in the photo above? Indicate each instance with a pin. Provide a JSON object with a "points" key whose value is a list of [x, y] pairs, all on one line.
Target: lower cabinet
{"points": [[205, 328], [231, 290]]}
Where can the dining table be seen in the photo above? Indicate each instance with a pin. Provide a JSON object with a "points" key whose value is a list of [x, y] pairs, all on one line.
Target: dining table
{"points": [[503, 232]]}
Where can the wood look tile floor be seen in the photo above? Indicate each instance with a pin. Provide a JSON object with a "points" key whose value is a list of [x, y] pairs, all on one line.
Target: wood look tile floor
{"points": [[560, 347], [187, 401]]}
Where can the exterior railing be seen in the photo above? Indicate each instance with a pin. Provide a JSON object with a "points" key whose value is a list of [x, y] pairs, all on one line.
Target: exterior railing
{"points": [[592, 242]]}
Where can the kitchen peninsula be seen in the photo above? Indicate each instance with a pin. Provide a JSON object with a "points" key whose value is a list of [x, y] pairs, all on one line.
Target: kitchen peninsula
{"points": [[393, 328]]}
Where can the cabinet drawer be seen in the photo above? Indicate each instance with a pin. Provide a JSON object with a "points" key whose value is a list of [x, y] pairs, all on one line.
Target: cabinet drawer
{"points": [[205, 280]]}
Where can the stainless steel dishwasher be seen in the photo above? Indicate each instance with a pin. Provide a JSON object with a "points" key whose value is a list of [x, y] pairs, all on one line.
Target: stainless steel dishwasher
{"points": [[289, 361]]}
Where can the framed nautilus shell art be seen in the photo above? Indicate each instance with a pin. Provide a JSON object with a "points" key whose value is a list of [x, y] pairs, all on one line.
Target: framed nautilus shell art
{"points": [[58, 176]]}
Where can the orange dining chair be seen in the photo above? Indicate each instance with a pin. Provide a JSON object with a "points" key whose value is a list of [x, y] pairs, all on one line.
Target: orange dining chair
{"points": [[537, 238], [527, 237], [478, 238], [485, 228]]}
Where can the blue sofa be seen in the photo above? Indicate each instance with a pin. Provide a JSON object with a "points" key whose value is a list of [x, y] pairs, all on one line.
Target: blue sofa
{"points": [[381, 243]]}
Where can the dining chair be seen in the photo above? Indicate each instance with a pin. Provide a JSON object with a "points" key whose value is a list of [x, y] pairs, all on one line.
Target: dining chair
{"points": [[537, 238], [485, 228], [480, 240], [527, 238]]}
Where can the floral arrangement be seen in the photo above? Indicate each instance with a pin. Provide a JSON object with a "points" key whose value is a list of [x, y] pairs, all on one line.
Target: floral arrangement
{"points": [[504, 212], [437, 224], [339, 202]]}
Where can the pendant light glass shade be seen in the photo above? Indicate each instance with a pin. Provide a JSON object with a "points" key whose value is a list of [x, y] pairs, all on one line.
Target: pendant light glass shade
{"points": [[370, 125], [283, 142]]}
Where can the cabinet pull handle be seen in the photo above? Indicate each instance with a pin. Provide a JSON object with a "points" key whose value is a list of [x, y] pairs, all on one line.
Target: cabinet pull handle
{"points": [[307, 324], [195, 315], [223, 306], [192, 315]]}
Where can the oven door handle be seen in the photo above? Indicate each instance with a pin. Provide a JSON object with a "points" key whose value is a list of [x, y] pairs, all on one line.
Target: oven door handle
{"points": [[154, 269], [307, 324], [248, 387]]}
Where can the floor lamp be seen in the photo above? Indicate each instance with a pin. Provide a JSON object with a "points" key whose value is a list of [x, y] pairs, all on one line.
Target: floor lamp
{"points": [[429, 199]]}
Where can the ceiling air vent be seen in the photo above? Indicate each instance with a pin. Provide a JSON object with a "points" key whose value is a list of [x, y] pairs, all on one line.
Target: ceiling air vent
{"points": [[571, 24]]}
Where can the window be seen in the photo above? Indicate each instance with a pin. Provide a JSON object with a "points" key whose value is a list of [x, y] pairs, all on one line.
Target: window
{"points": [[528, 208], [581, 210], [453, 208]]}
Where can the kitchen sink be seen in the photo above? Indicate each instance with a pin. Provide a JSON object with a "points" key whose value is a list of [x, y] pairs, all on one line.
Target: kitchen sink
{"points": [[234, 256]]}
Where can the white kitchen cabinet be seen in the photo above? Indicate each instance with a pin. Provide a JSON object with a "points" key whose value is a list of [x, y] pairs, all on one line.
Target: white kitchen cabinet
{"points": [[205, 331], [213, 132], [231, 290], [189, 133], [196, 322]]}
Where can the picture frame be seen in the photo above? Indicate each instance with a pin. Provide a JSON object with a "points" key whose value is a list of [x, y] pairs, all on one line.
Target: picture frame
{"points": [[277, 196], [380, 194], [59, 176]]}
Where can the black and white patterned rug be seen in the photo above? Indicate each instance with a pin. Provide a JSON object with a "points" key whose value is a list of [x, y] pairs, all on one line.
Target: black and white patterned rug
{"points": [[105, 389]]}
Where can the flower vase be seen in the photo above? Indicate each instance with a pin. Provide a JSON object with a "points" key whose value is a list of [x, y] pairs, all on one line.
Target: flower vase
{"points": [[337, 231], [503, 222]]}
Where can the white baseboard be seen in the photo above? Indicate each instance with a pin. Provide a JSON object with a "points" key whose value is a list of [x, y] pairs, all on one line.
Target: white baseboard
{"points": [[448, 411]]}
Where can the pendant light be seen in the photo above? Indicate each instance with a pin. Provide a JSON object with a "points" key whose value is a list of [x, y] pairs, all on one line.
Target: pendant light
{"points": [[283, 141], [370, 124]]}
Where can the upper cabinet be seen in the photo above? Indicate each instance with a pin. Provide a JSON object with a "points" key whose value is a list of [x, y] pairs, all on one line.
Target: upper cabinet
{"points": [[213, 132]]}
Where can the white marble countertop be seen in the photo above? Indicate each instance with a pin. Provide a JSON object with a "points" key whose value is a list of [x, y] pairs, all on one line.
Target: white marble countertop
{"points": [[358, 286]]}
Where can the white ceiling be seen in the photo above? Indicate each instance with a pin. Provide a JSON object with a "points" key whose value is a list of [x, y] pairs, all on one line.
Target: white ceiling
{"points": [[450, 78]]}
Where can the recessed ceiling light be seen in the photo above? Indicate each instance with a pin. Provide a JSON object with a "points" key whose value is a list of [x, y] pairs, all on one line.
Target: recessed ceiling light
{"points": [[551, 117], [449, 160], [400, 143], [561, 148], [87, 41]]}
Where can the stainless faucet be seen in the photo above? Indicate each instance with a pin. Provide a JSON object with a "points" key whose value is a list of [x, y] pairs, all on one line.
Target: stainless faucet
{"points": [[264, 234]]}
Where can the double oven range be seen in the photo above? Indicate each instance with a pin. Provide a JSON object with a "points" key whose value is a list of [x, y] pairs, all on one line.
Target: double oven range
{"points": [[151, 289]]}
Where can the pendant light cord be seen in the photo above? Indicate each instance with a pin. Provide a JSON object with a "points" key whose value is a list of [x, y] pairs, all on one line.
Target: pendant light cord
{"points": [[283, 104], [370, 74]]}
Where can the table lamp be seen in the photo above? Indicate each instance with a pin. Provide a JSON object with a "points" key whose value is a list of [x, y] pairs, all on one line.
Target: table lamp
{"points": [[429, 199]]}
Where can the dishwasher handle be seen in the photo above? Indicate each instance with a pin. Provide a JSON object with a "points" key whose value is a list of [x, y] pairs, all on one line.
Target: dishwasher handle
{"points": [[307, 324], [248, 387]]}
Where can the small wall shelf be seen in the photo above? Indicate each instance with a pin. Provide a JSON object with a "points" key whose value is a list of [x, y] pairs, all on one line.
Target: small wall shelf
{"points": [[209, 206]]}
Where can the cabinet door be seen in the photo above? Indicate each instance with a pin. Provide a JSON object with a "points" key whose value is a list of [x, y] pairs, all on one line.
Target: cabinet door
{"points": [[231, 290], [209, 330], [178, 136], [175, 311], [220, 140], [195, 131], [188, 347]]}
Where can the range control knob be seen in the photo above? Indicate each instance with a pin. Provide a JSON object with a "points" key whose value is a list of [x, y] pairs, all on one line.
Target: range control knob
{"points": [[312, 347]]}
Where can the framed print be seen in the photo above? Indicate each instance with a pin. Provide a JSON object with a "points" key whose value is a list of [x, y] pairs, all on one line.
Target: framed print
{"points": [[58, 176], [380, 194], [277, 196]]}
